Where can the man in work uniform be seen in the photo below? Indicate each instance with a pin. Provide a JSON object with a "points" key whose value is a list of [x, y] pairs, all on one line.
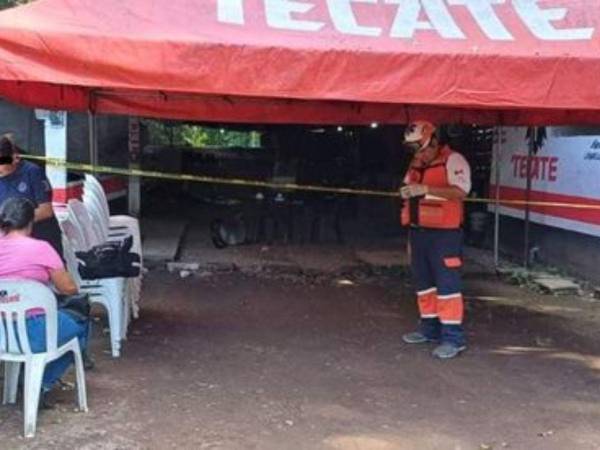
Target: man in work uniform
{"points": [[24, 179], [437, 181]]}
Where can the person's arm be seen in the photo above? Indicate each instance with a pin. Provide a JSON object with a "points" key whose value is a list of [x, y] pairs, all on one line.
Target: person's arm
{"points": [[459, 178], [42, 192], [43, 211], [63, 282], [421, 190], [43, 254], [449, 193]]}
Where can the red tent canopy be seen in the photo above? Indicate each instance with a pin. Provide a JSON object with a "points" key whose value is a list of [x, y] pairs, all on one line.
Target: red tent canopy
{"points": [[308, 61]]}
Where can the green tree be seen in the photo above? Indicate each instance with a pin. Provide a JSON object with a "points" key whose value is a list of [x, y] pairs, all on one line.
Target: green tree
{"points": [[196, 137], [183, 135]]}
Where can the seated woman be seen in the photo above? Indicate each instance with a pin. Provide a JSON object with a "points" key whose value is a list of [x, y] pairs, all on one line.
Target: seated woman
{"points": [[23, 257]]}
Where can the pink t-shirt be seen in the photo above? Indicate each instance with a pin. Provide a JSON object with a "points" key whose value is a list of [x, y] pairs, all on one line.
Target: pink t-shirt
{"points": [[27, 258]]}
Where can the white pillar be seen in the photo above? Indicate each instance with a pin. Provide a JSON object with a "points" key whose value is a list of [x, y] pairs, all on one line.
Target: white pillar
{"points": [[55, 137]]}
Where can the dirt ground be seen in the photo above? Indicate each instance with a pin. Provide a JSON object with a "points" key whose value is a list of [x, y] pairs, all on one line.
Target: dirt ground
{"points": [[278, 360]]}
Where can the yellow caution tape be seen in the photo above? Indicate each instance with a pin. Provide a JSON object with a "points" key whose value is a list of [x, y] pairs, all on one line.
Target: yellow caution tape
{"points": [[79, 167]]}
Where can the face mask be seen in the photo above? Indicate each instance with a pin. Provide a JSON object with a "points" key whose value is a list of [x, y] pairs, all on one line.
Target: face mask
{"points": [[412, 146]]}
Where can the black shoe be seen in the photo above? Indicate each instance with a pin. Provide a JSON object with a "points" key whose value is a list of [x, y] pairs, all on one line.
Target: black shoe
{"points": [[45, 403], [88, 363]]}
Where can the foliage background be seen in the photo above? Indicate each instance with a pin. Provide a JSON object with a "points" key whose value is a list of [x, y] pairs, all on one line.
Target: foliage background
{"points": [[186, 135]]}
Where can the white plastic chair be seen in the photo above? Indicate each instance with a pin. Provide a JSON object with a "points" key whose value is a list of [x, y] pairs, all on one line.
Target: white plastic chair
{"points": [[80, 217], [74, 234], [88, 226], [115, 228], [116, 223], [135, 284], [111, 293], [16, 298], [102, 223], [94, 207]]}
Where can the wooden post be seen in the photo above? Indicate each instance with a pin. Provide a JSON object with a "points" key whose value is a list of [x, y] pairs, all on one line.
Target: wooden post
{"points": [[135, 192]]}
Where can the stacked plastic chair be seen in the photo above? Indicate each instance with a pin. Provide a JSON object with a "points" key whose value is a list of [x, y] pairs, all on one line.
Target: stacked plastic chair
{"points": [[112, 293], [112, 228]]}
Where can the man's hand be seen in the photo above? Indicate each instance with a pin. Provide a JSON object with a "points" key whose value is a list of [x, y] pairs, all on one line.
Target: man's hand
{"points": [[43, 212], [413, 190]]}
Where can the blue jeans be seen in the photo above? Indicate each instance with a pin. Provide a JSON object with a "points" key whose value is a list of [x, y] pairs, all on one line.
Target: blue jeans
{"points": [[68, 328]]}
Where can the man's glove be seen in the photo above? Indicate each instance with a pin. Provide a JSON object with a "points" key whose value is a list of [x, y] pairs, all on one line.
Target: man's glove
{"points": [[413, 190]]}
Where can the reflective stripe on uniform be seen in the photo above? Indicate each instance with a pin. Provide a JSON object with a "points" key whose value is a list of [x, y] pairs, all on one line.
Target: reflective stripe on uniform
{"points": [[449, 296], [450, 309], [428, 303], [426, 291], [451, 322]]}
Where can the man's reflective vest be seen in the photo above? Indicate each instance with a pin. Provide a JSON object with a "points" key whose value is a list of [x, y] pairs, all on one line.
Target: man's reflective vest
{"points": [[432, 212]]}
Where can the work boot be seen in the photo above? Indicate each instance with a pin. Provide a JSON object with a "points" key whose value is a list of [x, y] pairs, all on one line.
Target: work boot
{"points": [[448, 350], [416, 337]]}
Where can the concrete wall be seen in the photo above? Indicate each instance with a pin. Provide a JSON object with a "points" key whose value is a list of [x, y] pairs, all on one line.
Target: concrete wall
{"points": [[112, 139], [576, 253]]}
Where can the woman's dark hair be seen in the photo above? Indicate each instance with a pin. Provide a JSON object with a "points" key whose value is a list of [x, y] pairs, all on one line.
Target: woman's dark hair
{"points": [[16, 213]]}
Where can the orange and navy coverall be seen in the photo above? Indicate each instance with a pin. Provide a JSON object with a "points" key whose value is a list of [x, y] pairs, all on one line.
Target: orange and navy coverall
{"points": [[436, 247]]}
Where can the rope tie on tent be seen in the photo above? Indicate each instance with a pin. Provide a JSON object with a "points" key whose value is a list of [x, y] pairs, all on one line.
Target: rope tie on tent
{"points": [[79, 167]]}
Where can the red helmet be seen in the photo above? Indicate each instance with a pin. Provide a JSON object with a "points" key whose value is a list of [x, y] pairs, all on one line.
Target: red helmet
{"points": [[419, 132]]}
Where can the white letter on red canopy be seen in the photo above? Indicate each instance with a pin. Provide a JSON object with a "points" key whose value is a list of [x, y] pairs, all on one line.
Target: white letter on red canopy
{"points": [[279, 15], [485, 16], [231, 11], [540, 21], [344, 19], [407, 19]]}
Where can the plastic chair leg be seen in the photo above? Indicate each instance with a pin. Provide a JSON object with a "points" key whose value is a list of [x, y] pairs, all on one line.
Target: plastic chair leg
{"points": [[114, 325], [135, 298], [127, 308], [34, 371], [80, 377], [11, 381]]}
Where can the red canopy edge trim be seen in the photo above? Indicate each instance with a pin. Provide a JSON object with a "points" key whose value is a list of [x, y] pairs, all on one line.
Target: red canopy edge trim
{"points": [[236, 109], [271, 110]]}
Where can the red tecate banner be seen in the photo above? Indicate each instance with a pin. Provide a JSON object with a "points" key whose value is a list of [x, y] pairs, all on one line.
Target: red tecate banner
{"points": [[308, 61]]}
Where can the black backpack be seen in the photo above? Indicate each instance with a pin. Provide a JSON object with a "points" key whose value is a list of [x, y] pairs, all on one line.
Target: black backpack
{"points": [[110, 260]]}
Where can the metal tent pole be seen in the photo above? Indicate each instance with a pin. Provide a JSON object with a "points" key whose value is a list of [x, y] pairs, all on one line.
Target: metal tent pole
{"points": [[93, 138], [496, 159], [530, 147]]}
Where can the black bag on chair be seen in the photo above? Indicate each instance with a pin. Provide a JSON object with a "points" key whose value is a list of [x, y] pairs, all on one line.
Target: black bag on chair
{"points": [[110, 260]]}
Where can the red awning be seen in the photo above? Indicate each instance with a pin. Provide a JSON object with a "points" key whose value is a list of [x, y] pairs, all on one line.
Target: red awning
{"points": [[308, 61]]}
